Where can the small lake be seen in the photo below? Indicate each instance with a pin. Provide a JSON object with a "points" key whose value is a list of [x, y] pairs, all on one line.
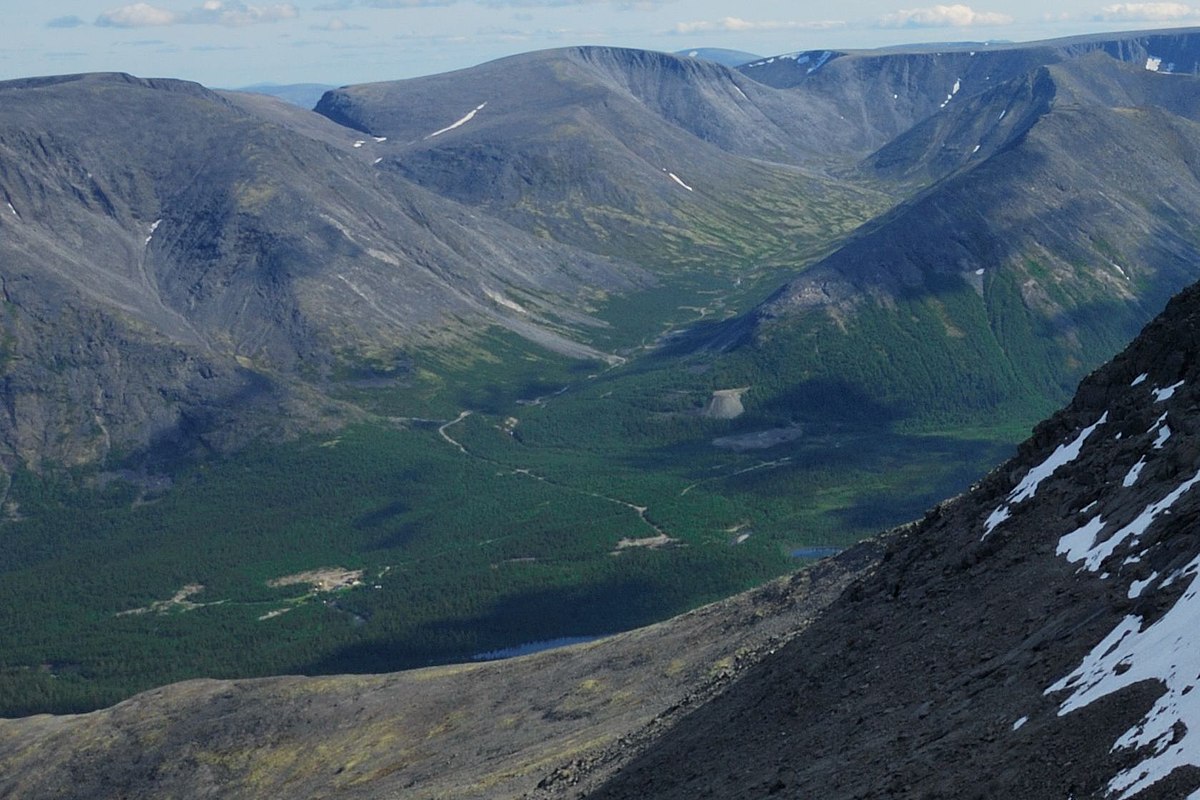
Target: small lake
{"points": [[815, 552], [532, 647]]}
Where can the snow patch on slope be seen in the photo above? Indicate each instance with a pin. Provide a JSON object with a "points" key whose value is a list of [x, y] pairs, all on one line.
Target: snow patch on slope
{"points": [[1077, 544], [953, 91], [1062, 455], [1167, 652], [997, 516], [470, 116], [1131, 477], [500, 299], [1084, 545], [1164, 433], [828, 54], [1165, 394], [676, 178], [1137, 587]]}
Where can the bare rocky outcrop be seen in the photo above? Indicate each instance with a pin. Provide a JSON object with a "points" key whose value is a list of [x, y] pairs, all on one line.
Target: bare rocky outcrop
{"points": [[1027, 639]]}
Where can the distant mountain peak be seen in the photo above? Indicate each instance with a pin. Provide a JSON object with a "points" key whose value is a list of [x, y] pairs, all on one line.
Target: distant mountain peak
{"points": [[728, 58]]}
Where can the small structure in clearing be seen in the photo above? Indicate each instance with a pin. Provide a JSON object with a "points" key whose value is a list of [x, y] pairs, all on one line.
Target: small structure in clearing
{"points": [[323, 579]]}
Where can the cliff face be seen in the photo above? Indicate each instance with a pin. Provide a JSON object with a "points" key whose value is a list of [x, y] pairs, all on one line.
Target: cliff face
{"points": [[1032, 638]]}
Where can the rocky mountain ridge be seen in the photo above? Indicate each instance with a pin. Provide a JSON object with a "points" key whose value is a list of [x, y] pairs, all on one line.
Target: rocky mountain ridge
{"points": [[1032, 638], [885, 92], [1049, 220]]}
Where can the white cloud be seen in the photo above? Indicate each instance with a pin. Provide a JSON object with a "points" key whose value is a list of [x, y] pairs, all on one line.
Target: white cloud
{"points": [[138, 15], [337, 24], [408, 3], [736, 25], [620, 5], [236, 14], [954, 16], [1147, 12], [212, 12]]}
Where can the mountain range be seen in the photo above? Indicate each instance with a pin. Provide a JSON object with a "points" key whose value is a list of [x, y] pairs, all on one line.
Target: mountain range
{"points": [[557, 346], [528, 192], [170, 274]]}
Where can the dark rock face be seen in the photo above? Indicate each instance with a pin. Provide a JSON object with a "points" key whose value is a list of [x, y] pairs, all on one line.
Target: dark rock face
{"points": [[886, 92], [985, 655], [1066, 157]]}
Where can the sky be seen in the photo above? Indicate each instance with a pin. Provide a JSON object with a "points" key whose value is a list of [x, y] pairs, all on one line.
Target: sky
{"points": [[236, 43]]}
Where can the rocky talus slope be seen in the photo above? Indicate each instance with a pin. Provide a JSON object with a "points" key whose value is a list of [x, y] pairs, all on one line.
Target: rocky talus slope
{"points": [[1033, 638]]}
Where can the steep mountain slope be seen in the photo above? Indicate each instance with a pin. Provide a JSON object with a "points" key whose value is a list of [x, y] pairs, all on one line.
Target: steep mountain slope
{"points": [[883, 93], [631, 153], [974, 129], [1032, 638], [1027, 262], [170, 254]]}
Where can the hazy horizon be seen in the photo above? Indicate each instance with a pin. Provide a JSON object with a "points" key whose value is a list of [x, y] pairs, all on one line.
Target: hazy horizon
{"points": [[230, 43]]}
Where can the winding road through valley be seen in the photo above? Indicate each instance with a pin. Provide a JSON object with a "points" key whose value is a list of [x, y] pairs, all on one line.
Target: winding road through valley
{"points": [[660, 537]]}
